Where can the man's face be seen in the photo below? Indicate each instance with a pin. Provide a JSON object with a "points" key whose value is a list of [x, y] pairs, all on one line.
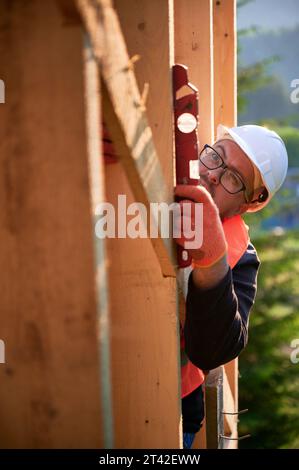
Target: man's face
{"points": [[236, 160]]}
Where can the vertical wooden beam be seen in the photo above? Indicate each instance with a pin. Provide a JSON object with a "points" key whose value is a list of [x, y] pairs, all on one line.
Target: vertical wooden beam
{"points": [[144, 329], [132, 138], [225, 90], [193, 32], [151, 37], [200, 441], [232, 372], [221, 425], [214, 408], [97, 188], [50, 385], [225, 62], [230, 421]]}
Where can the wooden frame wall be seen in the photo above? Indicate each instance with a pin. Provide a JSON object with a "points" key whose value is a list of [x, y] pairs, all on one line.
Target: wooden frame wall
{"points": [[63, 286]]}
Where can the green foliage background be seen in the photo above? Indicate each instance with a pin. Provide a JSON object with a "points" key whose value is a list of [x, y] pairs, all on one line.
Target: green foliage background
{"points": [[269, 382], [290, 136]]}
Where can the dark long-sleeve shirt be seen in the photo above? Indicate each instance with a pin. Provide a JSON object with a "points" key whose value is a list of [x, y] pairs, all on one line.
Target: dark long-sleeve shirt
{"points": [[216, 327]]}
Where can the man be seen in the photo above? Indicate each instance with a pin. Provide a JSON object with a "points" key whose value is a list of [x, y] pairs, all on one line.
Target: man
{"points": [[240, 173]]}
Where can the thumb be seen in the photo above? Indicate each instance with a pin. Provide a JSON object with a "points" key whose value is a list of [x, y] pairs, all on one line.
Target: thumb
{"points": [[195, 193]]}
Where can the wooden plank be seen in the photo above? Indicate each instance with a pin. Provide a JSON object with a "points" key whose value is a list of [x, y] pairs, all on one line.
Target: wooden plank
{"points": [[142, 41], [69, 12], [225, 62], [193, 47], [50, 384], [193, 26], [225, 91], [217, 95], [97, 189], [228, 407], [126, 118], [220, 424], [144, 339], [200, 441], [232, 373], [144, 329], [214, 407], [230, 421]]}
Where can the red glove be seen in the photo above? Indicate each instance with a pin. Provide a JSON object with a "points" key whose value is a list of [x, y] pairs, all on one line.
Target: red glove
{"points": [[214, 245], [109, 151]]}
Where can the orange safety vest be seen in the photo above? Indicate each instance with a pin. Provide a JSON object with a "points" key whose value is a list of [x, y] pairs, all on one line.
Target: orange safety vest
{"points": [[236, 234]]}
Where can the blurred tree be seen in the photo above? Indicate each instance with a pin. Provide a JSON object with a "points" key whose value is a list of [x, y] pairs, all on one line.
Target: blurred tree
{"points": [[255, 78], [289, 134], [283, 201], [269, 383], [251, 77]]}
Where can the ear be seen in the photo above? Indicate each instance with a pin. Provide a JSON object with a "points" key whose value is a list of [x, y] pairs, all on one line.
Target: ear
{"points": [[260, 195]]}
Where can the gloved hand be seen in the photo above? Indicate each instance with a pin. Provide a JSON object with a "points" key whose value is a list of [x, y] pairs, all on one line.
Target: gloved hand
{"points": [[214, 245], [108, 147]]}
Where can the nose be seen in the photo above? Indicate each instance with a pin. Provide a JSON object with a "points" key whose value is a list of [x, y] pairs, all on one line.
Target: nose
{"points": [[214, 175]]}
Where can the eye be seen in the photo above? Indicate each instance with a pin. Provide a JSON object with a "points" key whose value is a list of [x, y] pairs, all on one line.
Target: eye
{"points": [[211, 158], [215, 157], [234, 180]]}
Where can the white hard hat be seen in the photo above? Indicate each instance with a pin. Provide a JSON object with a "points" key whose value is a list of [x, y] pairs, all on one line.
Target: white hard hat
{"points": [[267, 152]]}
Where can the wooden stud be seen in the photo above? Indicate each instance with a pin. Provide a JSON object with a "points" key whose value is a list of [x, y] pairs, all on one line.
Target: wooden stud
{"points": [[50, 390], [230, 420], [144, 329], [126, 120], [98, 196], [69, 12], [225, 91], [155, 50], [200, 440], [220, 423], [214, 407], [193, 32], [144, 339], [232, 372], [225, 62]]}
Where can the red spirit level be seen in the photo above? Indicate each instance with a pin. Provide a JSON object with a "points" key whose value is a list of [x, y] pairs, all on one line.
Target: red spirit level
{"points": [[185, 101]]}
